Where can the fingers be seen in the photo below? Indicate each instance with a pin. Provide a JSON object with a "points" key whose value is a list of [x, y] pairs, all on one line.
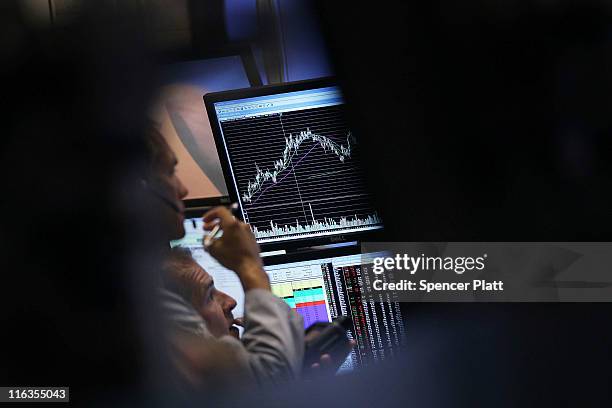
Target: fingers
{"points": [[217, 212], [211, 246], [208, 226], [329, 363], [341, 354], [323, 366], [325, 360], [350, 345], [218, 215]]}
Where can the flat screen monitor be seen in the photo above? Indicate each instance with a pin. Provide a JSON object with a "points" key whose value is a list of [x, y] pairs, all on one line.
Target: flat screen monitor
{"points": [[322, 285], [292, 163]]}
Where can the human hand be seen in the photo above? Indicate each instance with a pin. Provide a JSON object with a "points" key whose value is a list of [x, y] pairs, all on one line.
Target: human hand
{"points": [[328, 363], [236, 249]]}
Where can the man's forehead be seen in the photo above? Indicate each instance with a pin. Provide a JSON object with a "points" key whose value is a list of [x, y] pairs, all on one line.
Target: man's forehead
{"points": [[205, 277]]}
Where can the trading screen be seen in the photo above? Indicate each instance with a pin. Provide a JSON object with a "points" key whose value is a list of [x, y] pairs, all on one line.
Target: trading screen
{"points": [[295, 165], [325, 288]]}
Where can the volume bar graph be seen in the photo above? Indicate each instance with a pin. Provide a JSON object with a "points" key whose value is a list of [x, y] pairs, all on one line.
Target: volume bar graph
{"points": [[326, 225], [307, 297]]}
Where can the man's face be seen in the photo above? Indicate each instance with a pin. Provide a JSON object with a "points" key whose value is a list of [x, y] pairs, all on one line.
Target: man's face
{"points": [[166, 184], [214, 306]]}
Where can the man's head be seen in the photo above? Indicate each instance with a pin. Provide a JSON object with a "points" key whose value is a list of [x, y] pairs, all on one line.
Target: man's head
{"points": [[164, 184], [195, 285]]}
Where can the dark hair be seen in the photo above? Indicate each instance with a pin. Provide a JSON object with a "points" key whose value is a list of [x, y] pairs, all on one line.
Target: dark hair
{"points": [[77, 96]]}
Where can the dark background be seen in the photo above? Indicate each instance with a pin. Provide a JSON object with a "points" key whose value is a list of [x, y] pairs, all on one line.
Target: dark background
{"points": [[482, 120], [486, 121]]}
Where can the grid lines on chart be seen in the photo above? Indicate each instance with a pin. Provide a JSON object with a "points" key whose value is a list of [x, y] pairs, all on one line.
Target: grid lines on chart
{"points": [[298, 168]]}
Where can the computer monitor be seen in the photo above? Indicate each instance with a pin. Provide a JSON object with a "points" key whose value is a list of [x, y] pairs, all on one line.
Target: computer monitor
{"points": [[323, 285], [292, 163]]}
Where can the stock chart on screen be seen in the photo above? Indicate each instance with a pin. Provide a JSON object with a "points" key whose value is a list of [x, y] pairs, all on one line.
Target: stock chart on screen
{"points": [[295, 165]]}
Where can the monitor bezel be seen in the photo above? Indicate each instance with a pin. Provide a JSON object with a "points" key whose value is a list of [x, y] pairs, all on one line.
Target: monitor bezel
{"points": [[211, 98], [311, 255]]}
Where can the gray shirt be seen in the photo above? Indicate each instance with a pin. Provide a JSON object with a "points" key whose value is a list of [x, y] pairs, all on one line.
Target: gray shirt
{"points": [[271, 349]]}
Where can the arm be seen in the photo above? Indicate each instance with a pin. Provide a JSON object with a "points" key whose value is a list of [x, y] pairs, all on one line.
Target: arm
{"points": [[273, 339]]}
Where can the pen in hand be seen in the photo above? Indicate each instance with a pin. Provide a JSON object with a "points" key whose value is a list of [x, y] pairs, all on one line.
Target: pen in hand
{"points": [[216, 231]]}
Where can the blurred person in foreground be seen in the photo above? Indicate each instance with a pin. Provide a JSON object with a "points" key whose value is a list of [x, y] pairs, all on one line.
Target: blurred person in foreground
{"points": [[203, 336], [74, 101]]}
